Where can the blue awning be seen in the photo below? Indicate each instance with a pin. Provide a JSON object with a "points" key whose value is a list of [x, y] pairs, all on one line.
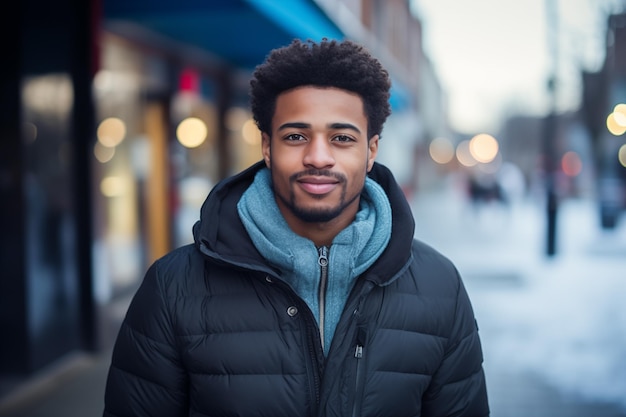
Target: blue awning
{"points": [[315, 25], [239, 33]]}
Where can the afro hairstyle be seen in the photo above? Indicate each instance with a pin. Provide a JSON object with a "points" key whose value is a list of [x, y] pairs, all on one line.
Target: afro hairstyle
{"points": [[330, 63]]}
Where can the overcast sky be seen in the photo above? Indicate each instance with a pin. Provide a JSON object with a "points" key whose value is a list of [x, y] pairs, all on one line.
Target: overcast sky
{"points": [[493, 56]]}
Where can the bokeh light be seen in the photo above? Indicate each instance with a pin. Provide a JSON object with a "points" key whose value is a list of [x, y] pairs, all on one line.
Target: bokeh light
{"points": [[191, 132], [113, 186], [463, 154], [621, 154], [111, 132], [571, 164], [619, 114], [613, 124], [251, 133], [441, 150], [483, 147], [103, 153]]}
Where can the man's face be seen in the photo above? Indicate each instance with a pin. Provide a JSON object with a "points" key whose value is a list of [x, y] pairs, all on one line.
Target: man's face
{"points": [[319, 155]]}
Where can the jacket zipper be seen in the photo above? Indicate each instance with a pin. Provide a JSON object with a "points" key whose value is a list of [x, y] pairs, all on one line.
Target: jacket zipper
{"points": [[361, 337], [323, 262]]}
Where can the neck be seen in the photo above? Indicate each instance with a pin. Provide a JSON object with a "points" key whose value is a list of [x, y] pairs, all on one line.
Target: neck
{"points": [[320, 233]]}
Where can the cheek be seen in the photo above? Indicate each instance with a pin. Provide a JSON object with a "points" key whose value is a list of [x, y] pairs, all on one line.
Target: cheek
{"points": [[279, 177], [281, 188]]}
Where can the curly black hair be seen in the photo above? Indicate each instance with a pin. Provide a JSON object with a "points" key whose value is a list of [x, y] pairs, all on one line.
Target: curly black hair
{"points": [[329, 63]]}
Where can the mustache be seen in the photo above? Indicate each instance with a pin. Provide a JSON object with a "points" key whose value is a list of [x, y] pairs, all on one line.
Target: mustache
{"points": [[318, 173]]}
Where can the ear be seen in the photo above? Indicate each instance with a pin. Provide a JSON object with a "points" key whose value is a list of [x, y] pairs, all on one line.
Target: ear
{"points": [[265, 149], [372, 151]]}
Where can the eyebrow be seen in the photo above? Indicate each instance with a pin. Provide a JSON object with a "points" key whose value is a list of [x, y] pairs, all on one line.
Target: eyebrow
{"points": [[348, 126], [336, 126]]}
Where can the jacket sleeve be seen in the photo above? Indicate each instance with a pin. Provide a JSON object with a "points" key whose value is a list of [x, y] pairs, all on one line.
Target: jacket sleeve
{"points": [[458, 388], [146, 377]]}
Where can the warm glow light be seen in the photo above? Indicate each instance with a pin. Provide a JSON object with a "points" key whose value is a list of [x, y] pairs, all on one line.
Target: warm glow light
{"points": [[111, 132], [251, 133], [441, 150], [619, 114], [104, 80], [463, 154], [191, 132], [103, 153], [571, 164], [483, 147], [112, 186], [621, 154], [49, 94], [613, 126]]}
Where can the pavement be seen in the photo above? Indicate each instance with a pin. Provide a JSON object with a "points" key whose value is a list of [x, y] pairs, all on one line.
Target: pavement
{"points": [[499, 254], [551, 326], [72, 387]]}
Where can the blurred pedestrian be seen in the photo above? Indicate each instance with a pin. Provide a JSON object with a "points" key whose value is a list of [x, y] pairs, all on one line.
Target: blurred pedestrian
{"points": [[305, 293]]}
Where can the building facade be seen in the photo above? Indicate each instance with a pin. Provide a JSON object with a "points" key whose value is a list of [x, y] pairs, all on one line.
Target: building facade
{"points": [[118, 118]]}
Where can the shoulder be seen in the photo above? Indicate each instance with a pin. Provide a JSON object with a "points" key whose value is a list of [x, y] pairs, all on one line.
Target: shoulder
{"points": [[182, 257], [177, 269], [432, 272], [186, 271], [427, 256]]}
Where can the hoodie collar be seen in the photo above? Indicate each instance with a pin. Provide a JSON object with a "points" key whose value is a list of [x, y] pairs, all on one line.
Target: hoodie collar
{"points": [[357, 246], [221, 234]]}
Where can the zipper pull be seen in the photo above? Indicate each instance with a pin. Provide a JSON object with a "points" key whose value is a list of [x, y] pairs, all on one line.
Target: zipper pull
{"points": [[358, 352], [361, 337], [323, 256]]}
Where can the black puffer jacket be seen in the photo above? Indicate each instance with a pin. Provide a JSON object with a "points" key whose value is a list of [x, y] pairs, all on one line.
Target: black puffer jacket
{"points": [[213, 331]]}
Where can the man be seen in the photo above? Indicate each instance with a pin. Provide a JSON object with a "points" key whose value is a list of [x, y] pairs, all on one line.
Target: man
{"points": [[305, 293]]}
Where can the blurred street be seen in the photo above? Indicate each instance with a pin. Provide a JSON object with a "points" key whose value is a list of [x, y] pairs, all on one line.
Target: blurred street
{"points": [[119, 117], [552, 329]]}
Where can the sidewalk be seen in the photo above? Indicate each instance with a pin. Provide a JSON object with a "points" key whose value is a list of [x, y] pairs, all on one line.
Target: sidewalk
{"points": [[552, 328], [520, 383], [545, 353], [74, 387]]}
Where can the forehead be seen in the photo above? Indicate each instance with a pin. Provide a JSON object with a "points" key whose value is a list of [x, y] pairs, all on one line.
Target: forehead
{"points": [[310, 103]]}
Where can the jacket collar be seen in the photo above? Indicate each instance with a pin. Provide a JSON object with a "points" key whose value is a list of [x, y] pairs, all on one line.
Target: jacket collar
{"points": [[221, 235]]}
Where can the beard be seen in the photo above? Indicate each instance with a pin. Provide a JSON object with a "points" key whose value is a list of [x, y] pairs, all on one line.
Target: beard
{"points": [[317, 214]]}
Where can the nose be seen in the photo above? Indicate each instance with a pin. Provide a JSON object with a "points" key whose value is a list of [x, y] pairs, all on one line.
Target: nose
{"points": [[319, 153]]}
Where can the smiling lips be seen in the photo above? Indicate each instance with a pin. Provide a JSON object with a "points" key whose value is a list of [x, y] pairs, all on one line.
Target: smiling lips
{"points": [[318, 185]]}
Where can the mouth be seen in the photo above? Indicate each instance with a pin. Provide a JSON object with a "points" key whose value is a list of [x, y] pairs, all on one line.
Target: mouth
{"points": [[318, 185]]}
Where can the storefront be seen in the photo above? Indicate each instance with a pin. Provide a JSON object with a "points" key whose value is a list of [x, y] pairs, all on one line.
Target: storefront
{"points": [[118, 119], [172, 119]]}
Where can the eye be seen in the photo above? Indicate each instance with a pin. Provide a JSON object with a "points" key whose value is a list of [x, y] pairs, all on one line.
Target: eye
{"points": [[343, 139], [294, 137]]}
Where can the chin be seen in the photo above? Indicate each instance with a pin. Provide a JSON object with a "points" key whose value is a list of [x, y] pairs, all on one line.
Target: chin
{"points": [[316, 214]]}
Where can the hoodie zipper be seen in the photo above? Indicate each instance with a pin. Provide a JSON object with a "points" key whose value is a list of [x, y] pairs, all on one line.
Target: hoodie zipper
{"points": [[323, 263]]}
